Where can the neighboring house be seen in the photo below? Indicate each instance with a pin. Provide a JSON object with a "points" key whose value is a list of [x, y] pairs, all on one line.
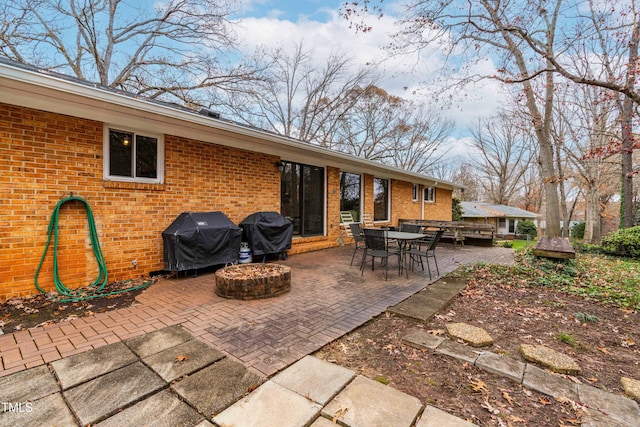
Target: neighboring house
{"points": [[504, 218], [140, 163]]}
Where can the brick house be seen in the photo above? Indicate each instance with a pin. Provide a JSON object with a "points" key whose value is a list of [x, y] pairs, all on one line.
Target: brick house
{"points": [[59, 135]]}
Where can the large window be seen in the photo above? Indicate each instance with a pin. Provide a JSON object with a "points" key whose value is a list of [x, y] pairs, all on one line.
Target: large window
{"points": [[381, 199], [130, 156], [350, 194], [429, 194], [302, 198]]}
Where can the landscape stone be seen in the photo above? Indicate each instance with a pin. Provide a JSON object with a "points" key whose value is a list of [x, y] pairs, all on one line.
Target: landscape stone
{"points": [[182, 359], [157, 341], [104, 395], [162, 407], [501, 365], [422, 339], [550, 384], [217, 386], [27, 385], [631, 387], [434, 417], [617, 407], [269, 405], [473, 335], [555, 361], [367, 403], [85, 366], [315, 379], [323, 422], [458, 351], [51, 410], [419, 306]]}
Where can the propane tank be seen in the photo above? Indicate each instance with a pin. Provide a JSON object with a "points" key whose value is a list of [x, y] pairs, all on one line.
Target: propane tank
{"points": [[245, 253]]}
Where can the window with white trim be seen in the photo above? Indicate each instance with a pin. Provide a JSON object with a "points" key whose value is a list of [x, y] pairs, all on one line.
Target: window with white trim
{"points": [[429, 194], [133, 156], [381, 199]]}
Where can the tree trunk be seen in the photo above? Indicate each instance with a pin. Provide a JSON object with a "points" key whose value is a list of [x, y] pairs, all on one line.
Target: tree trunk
{"points": [[592, 230]]}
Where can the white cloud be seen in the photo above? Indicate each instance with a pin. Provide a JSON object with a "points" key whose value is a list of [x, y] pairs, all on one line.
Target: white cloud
{"points": [[404, 76]]}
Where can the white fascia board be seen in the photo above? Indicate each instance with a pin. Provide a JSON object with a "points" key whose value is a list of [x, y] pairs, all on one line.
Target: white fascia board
{"points": [[50, 93]]}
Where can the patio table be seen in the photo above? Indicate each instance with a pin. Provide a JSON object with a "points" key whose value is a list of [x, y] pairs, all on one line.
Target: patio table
{"points": [[403, 238]]}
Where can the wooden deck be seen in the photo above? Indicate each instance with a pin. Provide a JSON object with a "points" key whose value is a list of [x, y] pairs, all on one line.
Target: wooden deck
{"points": [[554, 247]]}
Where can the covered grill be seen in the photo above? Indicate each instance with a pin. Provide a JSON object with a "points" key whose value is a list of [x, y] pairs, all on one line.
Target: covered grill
{"points": [[200, 239], [267, 233]]}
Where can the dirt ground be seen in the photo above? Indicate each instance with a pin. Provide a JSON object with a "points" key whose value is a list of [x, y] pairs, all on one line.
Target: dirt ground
{"points": [[602, 339]]}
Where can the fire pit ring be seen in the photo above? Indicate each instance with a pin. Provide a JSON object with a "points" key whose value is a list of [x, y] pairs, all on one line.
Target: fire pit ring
{"points": [[253, 281]]}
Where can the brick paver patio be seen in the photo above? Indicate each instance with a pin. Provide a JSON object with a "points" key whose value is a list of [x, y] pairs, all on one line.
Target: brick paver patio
{"points": [[328, 299]]}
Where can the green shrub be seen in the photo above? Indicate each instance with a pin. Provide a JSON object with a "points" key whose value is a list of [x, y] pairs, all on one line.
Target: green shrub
{"points": [[527, 226], [577, 230], [624, 242], [586, 248]]}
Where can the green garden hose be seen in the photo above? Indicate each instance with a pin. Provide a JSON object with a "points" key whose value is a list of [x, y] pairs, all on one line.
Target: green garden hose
{"points": [[92, 290]]}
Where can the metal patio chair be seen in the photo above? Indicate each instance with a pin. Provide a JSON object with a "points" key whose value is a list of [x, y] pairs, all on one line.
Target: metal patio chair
{"points": [[416, 254], [358, 238], [377, 246]]}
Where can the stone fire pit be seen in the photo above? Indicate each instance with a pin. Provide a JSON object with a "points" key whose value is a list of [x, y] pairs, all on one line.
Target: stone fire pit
{"points": [[253, 281]]}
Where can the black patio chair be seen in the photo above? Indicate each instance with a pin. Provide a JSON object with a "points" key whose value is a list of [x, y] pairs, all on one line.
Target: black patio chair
{"points": [[358, 238], [416, 254], [377, 246], [410, 228]]}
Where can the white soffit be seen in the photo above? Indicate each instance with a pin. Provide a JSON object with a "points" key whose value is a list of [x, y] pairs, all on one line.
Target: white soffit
{"points": [[44, 92]]}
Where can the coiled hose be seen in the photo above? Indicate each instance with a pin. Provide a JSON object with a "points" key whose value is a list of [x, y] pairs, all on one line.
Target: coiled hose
{"points": [[92, 290]]}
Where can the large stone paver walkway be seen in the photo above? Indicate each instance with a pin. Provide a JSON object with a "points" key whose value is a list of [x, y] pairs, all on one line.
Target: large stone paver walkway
{"points": [[328, 299]]}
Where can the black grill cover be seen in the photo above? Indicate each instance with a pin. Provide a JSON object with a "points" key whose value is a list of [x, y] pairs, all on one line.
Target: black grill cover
{"points": [[267, 233], [200, 239]]}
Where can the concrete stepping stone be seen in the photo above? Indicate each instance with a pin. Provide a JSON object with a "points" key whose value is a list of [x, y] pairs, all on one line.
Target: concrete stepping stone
{"points": [[217, 386], [422, 339], [315, 379], [28, 385], [472, 335], [550, 384], [631, 387], [458, 351], [269, 405], [182, 359], [163, 407], [157, 341], [551, 359], [501, 365], [434, 417], [420, 306], [619, 408], [103, 396], [51, 410], [82, 367], [367, 403]]}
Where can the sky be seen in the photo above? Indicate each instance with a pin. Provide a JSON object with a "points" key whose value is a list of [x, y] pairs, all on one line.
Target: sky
{"points": [[320, 26]]}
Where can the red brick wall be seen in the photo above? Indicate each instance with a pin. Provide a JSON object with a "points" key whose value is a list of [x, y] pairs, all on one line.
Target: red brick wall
{"points": [[44, 157], [440, 209]]}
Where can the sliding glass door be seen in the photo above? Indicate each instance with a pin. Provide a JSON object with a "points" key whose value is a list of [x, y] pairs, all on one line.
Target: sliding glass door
{"points": [[302, 198]]}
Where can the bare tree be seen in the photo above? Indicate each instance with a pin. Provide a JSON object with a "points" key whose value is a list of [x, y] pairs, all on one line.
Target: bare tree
{"points": [[504, 151], [164, 52], [299, 96]]}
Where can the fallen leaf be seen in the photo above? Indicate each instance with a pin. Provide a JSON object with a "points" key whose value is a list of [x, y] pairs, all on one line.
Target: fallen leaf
{"points": [[182, 358], [507, 397], [339, 414], [544, 401], [486, 405], [628, 342], [602, 349], [516, 419], [252, 387], [479, 386]]}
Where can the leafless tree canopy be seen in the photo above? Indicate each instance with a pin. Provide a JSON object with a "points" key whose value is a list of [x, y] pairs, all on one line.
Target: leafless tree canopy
{"points": [[167, 51]]}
